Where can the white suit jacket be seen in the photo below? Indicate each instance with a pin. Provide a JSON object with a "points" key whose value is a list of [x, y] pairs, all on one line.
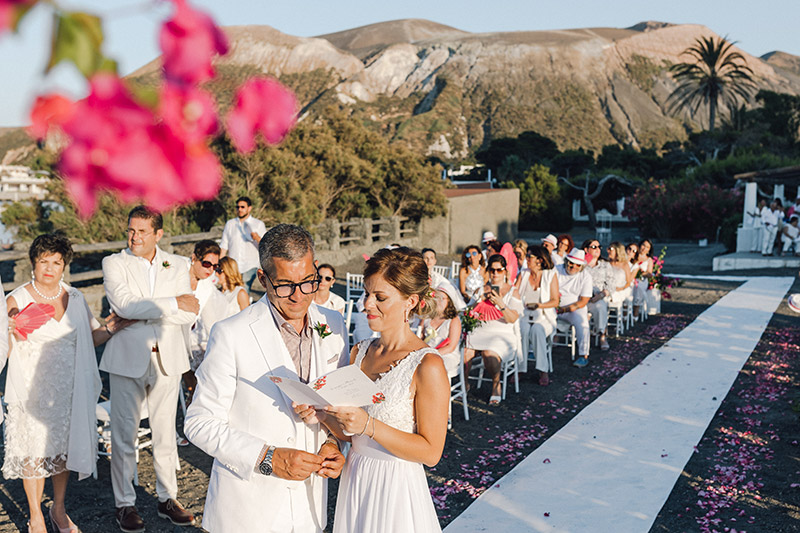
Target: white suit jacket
{"points": [[236, 410], [127, 288]]}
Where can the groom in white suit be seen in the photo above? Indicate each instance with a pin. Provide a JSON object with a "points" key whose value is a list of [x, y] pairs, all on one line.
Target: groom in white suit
{"points": [[145, 362], [270, 468]]}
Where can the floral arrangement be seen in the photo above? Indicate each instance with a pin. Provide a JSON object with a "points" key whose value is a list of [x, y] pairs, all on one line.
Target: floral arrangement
{"points": [[322, 329], [470, 321], [658, 280], [165, 264]]}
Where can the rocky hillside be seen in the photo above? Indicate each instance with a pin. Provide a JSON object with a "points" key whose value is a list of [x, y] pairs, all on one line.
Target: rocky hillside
{"points": [[446, 92]]}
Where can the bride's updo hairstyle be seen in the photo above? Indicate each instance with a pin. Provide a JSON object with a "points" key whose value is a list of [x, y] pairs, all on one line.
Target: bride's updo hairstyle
{"points": [[405, 270]]}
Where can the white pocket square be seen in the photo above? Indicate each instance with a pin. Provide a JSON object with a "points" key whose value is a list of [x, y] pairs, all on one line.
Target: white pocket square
{"points": [[333, 359]]}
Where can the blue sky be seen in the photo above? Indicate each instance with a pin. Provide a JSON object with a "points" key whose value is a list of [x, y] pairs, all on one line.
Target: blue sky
{"points": [[131, 28]]}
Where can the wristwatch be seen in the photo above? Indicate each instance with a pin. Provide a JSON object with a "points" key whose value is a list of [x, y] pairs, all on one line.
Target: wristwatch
{"points": [[266, 465]]}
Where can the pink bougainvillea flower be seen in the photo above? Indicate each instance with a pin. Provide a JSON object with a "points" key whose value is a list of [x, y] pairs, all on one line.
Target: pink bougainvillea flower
{"points": [[189, 41], [261, 105], [10, 11], [188, 110], [49, 110], [119, 145]]}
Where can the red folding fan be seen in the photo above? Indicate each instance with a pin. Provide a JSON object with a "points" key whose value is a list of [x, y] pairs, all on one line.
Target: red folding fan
{"points": [[32, 317], [443, 343], [488, 311]]}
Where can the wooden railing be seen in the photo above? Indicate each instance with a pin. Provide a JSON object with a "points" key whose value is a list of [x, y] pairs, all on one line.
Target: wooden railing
{"points": [[329, 235]]}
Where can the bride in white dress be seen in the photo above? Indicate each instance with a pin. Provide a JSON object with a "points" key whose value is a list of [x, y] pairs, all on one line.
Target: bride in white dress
{"points": [[383, 487]]}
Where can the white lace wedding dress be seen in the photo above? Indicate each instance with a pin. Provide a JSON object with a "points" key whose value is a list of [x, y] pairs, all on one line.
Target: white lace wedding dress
{"points": [[37, 429], [380, 492]]}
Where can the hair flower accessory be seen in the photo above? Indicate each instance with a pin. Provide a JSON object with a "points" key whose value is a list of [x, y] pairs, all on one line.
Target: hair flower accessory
{"points": [[322, 329], [166, 264]]}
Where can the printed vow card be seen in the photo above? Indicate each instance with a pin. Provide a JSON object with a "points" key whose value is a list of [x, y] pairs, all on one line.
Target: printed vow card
{"points": [[344, 387]]}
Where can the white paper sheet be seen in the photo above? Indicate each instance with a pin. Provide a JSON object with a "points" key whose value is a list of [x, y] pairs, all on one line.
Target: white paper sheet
{"points": [[344, 387]]}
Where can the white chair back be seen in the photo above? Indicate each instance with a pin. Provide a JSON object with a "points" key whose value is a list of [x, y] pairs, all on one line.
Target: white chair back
{"points": [[441, 270], [355, 286], [455, 268]]}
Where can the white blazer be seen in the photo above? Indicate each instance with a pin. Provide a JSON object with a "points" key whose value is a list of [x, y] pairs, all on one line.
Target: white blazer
{"points": [[236, 410], [127, 288]]}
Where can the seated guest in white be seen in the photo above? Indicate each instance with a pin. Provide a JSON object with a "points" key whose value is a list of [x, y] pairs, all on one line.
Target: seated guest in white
{"points": [[429, 256], [232, 285], [495, 339], [521, 251], [472, 274], [576, 291], [550, 244], [790, 236], [642, 269], [443, 331], [325, 296], [603, 286], [538, 288], [623, 276]]}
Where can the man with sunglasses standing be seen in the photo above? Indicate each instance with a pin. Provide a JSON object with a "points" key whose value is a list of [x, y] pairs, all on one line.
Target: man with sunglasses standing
{"points": [[270, 467], [240, 240], [145, 362]]}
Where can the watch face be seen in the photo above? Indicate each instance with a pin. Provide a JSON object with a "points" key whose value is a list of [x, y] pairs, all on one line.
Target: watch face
{"points": [[265, 468]]}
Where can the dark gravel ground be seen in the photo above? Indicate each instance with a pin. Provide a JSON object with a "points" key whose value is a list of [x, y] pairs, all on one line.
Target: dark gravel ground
{"points": [[482, 449]]}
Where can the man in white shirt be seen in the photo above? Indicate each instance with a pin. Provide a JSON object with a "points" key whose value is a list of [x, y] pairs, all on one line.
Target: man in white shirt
{"points": [[240, 240], [575, 286], [145, 362], [769, 228]]}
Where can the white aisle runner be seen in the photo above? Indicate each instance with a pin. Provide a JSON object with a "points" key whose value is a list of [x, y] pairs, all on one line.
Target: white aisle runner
{"points": [[613, 466]]}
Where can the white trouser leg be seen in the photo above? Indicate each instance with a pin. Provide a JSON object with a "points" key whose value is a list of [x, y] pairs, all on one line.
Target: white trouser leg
{"points": [[756, 242], [768, 239], [579, 319], [599, 310], [524, 329], [537, 339], [127, 395], [162, 402]]}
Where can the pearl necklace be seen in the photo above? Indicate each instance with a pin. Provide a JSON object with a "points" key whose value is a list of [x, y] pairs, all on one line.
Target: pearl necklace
{"points": [[60, 288]]}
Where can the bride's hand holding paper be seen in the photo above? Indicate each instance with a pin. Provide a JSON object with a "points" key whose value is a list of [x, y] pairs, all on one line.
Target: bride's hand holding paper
{"points": [[352, 420]]}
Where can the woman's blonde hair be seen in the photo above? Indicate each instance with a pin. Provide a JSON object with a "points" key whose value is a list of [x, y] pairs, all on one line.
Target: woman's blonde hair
{"points": [[405, 270], [619, 249], [233, 278]]}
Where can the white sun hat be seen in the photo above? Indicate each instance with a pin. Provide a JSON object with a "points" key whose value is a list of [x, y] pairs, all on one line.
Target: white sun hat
{"points": [[576, 256], [489, 236], [551, 239]]}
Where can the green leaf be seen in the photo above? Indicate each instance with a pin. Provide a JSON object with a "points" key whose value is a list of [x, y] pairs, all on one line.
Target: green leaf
{"points": [[78, 37]]}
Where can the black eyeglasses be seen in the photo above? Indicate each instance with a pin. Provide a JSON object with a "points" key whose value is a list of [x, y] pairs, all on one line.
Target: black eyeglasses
{"points": [[327, 278], [285, 290], [497, 269], [209, 264], [594, 246], [241, 206]]}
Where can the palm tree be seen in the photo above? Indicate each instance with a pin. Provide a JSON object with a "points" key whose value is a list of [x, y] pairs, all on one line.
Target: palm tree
{"points": [[716, 73]]}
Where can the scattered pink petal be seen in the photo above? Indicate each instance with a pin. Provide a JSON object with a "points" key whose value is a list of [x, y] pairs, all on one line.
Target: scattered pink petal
{"points": [[547, 514], [546, 461]]}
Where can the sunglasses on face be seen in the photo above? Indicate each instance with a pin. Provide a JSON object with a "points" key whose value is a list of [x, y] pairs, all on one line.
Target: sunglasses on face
{"points": [[209, 264], [571, 264], [241, 207], [472, 253], [327, 278], [493, 270], [594, 246]]}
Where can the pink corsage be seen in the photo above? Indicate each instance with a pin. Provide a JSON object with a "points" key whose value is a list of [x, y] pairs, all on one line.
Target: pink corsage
{"points": [[322, 329], [165, 264]]}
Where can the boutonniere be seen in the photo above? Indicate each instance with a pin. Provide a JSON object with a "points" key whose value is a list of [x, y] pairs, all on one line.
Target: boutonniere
{"points": [[322, 329], [166, 264]]}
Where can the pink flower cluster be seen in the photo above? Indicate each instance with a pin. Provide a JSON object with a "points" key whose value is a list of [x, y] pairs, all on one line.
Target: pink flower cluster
{"points": [[160, 154]]}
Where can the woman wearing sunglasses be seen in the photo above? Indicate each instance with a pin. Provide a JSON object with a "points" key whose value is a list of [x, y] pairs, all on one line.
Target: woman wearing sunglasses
{"points": [[324, 296], [472, 274], [495, 339]]}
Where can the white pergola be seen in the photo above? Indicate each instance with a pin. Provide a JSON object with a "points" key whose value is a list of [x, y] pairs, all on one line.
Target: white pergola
{"points": [[781, 178]]}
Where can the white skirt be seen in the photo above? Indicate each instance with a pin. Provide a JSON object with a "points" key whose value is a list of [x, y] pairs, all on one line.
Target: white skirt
{"points": [[495, 336], [383, 493]]}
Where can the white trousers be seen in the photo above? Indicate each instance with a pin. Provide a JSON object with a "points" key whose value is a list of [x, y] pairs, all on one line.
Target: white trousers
{"points": [[579, 319], [756, 242], [768, 238], [127, 396], [599, 310], [788, 242], [534, 339]]}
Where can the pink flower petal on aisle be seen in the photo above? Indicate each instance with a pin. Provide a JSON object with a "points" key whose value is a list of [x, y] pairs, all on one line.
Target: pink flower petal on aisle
{"points": [[189, 41], [546, 461], [261, 105], [49, 110]]}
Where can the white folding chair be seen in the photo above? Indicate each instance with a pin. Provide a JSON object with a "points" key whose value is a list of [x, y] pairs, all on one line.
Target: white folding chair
{"points": [[616, 317], [441, 270], [565, 336], [455, 268], [348, 319], [355, 286], [458, 389], [627, 310]]}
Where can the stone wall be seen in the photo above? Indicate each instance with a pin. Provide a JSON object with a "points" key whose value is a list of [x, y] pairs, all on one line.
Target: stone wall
{"points": [[473, 211]]}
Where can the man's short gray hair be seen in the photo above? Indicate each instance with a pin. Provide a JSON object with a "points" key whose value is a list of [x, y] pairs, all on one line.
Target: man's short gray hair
{"points": [[284, 241]]}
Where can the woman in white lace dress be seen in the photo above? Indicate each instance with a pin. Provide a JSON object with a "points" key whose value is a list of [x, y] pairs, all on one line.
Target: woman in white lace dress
{"points": [[52, 385], [472, 274], [383, 487]]}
